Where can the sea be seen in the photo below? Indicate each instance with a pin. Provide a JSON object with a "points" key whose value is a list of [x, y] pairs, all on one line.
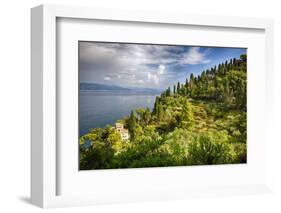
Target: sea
{"points": [[98, 108]]}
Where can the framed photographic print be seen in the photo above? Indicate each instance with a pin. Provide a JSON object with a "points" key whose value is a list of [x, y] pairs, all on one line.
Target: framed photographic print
{"points": [[130, 106]]}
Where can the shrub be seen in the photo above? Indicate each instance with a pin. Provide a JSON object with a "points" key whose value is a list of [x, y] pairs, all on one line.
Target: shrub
{"points": [[210, 148]]}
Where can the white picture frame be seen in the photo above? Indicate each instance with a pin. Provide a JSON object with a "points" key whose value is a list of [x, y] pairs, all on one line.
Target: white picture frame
{"points": [[44, 150]]}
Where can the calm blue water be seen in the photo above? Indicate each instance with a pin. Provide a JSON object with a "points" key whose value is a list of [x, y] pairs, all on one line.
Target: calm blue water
{"points": [[99, 108]]}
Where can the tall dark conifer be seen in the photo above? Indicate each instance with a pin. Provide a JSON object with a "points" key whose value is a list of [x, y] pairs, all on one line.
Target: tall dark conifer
{"points": [[178, 88], [191, 80]]}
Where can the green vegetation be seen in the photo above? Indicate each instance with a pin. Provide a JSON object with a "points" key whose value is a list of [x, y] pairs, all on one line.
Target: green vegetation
{"points": [[200, 122]]}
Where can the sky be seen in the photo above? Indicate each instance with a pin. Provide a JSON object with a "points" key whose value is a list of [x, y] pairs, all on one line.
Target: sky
{"points": [[146, 65]]}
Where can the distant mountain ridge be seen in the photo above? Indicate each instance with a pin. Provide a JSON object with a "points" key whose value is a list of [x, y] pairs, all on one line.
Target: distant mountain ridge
{"points": [[95, 86]]}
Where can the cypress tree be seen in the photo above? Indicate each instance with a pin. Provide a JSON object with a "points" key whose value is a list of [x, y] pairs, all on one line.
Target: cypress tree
{"points": [[168, 91], [191, 77], [178, 88], [132, 123], [156, 103], [191, 80], [186, 83]]}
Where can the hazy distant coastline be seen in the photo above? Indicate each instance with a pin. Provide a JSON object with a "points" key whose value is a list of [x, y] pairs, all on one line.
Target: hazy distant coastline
{"points": [[103, 87]]}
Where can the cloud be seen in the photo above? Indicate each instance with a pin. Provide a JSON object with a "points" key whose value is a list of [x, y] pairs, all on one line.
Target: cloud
{"points": [[107, 78], [161, 69], [153, 78], [126, 64], [194, 56], [95, 52], [135, 64]]}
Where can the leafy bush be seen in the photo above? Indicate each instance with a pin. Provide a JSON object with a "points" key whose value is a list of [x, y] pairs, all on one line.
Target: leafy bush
{"points": [[210, 148]]}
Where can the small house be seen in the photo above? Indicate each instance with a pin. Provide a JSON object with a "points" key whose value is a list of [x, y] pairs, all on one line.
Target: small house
{"points": [[124, 133]]}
